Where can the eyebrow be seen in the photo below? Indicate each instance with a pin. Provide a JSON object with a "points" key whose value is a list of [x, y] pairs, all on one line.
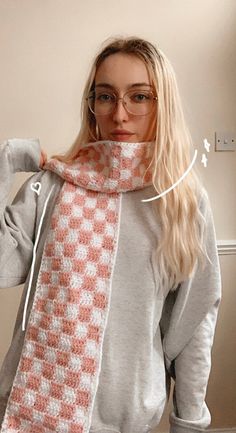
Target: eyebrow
{"points": [[109, 86]]}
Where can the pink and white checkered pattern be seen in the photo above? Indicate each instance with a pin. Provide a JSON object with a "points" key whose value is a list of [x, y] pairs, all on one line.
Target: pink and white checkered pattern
{"points": [[57, 376], [109, 166]]}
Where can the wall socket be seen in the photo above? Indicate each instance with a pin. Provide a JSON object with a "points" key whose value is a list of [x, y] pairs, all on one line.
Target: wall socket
{"points": [[225, 141]]}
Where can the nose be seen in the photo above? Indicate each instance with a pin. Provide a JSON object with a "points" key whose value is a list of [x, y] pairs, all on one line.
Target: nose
{"points": [[120, 114]]}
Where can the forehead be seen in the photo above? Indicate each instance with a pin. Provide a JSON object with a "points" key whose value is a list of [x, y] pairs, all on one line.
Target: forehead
{"points": [[122, 70]]}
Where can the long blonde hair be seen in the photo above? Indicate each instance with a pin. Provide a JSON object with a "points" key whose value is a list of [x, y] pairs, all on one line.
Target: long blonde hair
{"points": [[180, 245]]}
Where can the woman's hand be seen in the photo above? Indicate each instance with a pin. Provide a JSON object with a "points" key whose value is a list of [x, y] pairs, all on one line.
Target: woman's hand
{"points": [[43, 159]]}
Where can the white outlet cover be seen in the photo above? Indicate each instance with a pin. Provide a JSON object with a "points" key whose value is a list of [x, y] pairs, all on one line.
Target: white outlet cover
{"points": [[225, 141]]}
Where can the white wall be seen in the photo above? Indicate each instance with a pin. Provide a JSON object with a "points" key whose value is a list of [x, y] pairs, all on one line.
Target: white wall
{"points": [[45, 51]]}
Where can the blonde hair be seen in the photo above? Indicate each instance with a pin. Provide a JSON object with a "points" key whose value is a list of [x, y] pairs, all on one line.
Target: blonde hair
{"points": [[180, 243]]}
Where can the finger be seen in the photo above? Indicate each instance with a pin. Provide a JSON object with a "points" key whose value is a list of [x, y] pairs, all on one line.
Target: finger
{"points": [[43, 159]]}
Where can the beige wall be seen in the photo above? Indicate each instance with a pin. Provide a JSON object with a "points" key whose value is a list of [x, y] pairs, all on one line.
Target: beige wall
{"points": [[45, 51]]}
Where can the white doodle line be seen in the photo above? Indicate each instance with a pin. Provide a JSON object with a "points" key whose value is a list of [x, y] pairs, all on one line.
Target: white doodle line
{"points": [[176, 183]]}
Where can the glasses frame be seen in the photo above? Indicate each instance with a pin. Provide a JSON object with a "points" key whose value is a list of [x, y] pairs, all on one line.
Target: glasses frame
{"points": [[117, 99]]}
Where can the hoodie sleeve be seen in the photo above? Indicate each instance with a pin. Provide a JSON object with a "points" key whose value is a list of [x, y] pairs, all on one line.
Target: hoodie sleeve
{"points": [[17, 221], [188, 332]]}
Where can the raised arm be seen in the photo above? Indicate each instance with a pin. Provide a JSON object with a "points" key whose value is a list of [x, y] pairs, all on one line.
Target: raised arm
{"points": [[17, 221]]}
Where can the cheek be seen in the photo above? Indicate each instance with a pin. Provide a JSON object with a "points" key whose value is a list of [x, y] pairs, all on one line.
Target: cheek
{"points": [[104, 127], [148, 125], [102, 123]]}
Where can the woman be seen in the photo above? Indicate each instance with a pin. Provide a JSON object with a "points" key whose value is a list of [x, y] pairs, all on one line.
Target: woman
{"points": [[121, 294]]}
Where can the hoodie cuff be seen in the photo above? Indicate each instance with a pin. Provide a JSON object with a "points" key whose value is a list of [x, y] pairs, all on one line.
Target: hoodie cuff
{"points": [[179, 425], [25, 154]]}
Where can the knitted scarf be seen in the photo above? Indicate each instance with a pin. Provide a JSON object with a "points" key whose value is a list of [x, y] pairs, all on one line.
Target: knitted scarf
{"points": [[57, 376]]}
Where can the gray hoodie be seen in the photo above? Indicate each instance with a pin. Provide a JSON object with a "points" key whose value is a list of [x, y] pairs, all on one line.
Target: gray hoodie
{"points": [[151, 334]]}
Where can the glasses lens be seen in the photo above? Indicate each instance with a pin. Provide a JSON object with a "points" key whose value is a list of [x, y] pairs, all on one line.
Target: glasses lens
{"points": [[102, 103], [139, 102]]}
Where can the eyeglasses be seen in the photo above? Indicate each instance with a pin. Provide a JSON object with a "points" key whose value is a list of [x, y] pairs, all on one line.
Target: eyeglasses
{"points": [[137, 102]]}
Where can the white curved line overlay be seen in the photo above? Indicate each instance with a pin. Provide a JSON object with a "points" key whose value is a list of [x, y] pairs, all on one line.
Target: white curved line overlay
{"points": [[176, 183]]}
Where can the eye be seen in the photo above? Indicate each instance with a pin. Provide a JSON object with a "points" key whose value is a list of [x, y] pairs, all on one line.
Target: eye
{"points": [[140, 97], [104, 97]]}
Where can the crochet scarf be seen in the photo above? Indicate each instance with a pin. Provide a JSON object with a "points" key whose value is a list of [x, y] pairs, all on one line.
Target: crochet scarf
{"points": [[57, 376]]}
